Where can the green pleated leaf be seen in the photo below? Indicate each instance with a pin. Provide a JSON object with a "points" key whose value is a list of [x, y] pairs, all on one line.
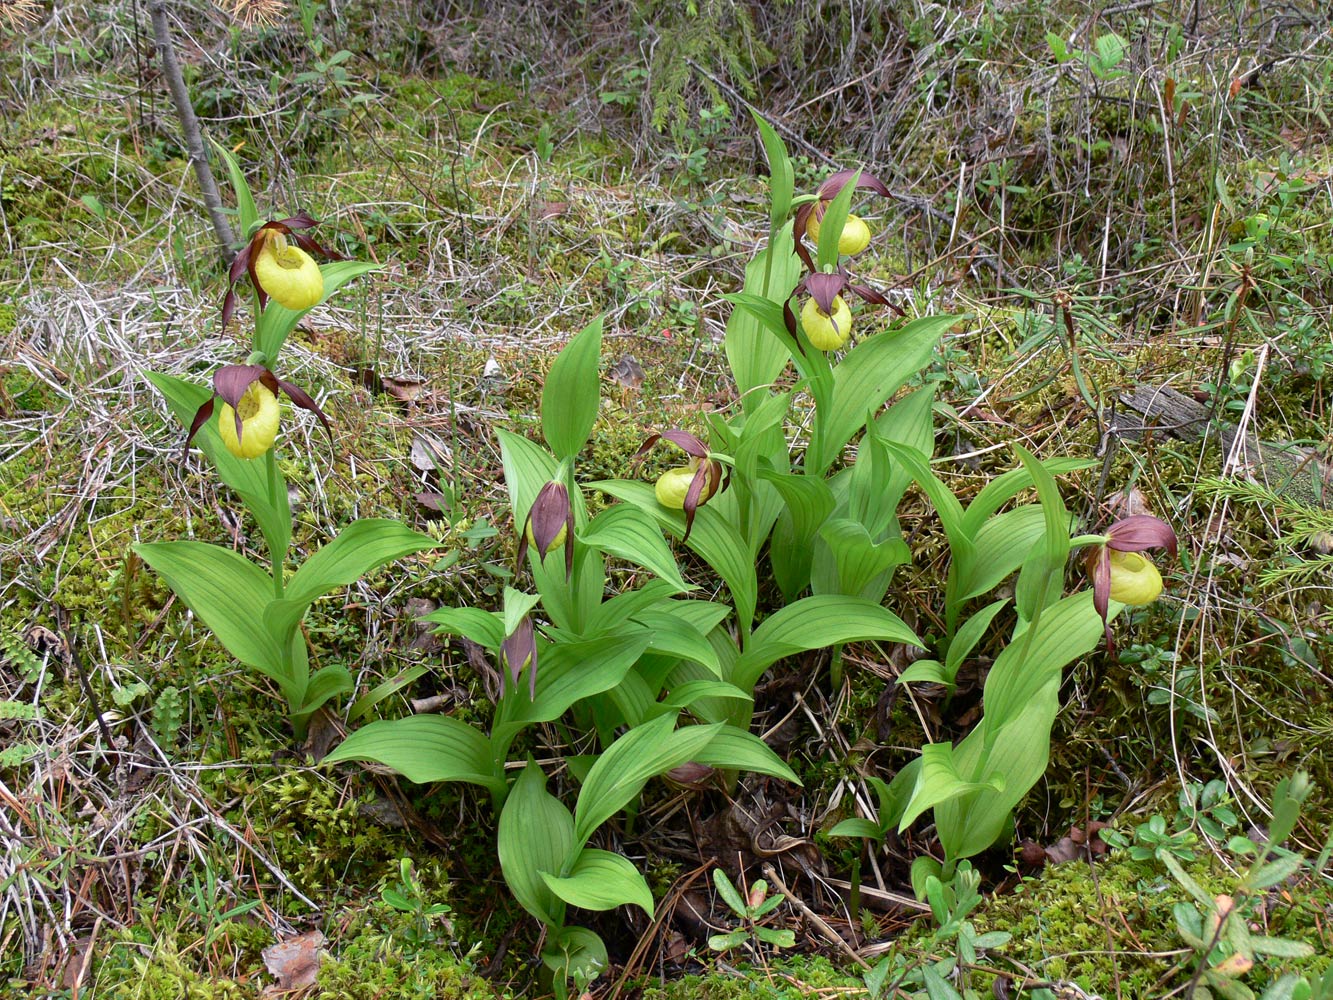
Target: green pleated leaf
{"points": [[424, 748], [228, 593], [871, 372], [626, 765], [325, 683], [673, 636], [573, 392], [1006, 486], [757, 343], [857, 827], [601, 880], [999, 548], [940, 780], [485, 628], [536, 835], [815, 622], [713, 538], [627, 532], [735, 749], [362, 546]]}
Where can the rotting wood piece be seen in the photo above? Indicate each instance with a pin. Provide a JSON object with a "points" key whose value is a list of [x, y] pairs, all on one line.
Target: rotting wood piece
{"points": [[1291, 471]]}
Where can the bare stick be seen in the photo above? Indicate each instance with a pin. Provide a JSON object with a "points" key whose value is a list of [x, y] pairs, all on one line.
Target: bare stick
{"points": [[194, 143]]}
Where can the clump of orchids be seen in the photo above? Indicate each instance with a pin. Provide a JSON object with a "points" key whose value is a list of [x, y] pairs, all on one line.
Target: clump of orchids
{"points": [[1118, 568], [826, 317]]}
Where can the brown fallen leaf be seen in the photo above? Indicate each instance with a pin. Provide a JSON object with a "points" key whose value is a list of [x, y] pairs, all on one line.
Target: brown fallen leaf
{"points": [[294, 963]]}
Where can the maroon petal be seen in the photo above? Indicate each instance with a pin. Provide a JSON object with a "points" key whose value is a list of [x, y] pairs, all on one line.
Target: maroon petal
{"points": [[646, 447], [201, 416], [312, 246], [802, 220], [231, 381], [836, 182], [824, 288], [301, 220], [1099, 568], [516, 652], [1139, 532], [550, 513], [789, 318], [302, 399], [686, 442]]}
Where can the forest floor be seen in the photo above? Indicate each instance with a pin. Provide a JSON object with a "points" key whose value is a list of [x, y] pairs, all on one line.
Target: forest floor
{"points": [[518, 173]]}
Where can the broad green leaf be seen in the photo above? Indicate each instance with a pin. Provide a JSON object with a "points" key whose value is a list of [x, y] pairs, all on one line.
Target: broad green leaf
{"points": [[863, 565], [626, 765], [424, 748], [812, 623], [857, 827], [1281, 948], [809, 501], [325, 683], [713, 538], [735, 749], [627, 532], [871, 372], [248, 477], [573, 392], [1006, 486], [528, 467], [629, 603], [362, 546], [781, 175], [1065, 631], [1000, 547], [1041, 581], [245, 202], [969, 635], [277, 322], [938, 988], [600, 880], [753, 356], [927, 671], [485, 628], [567, 672], [762, 319], [939, 780], [516, 607], [682, 696], [536, 835], [227, 592], [674, 636]]}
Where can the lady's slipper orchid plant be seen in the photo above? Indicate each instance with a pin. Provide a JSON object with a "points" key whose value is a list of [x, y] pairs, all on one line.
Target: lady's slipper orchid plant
{"points": [[279, 270], [248, 423], [550, 524], [686, 487], [1118, 569], [855, 235]]}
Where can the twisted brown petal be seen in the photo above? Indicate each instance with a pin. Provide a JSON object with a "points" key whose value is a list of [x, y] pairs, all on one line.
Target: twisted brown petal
{"points": [[302, 399], [1139, 532]]}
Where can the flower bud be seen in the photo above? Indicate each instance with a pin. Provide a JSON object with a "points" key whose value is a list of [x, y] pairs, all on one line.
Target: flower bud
{"points": [[1134, 579], [855, 234], [826, 332], [288, 273], [672, 486], [553, 544], [258, 409]]}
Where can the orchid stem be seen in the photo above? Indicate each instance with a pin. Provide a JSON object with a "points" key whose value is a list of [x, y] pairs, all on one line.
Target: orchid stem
{"points": [[277, 558]]}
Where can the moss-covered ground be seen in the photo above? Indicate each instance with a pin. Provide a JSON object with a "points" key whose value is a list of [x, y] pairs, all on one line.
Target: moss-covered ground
{"points": [[163, 827]]}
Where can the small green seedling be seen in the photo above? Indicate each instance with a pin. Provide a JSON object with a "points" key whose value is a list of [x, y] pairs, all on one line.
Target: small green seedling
{"points": [[750, 910]]}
